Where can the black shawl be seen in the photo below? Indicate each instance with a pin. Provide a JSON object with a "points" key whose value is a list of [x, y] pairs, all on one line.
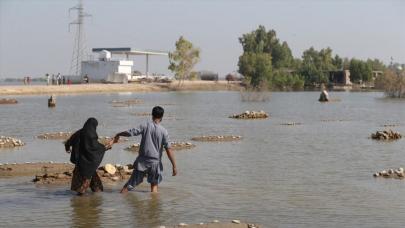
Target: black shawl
{"points": [[74, 143], [91, 152]]}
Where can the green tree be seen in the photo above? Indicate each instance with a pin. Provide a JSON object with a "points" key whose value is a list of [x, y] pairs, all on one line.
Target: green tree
{"points": [[262, 41], [346, 63], [283, 80], [316, 65], [183, 59], [256, 67], [263, 52], [327, 60], [337, 62], [376, 64], [282, 56], [360, 70]]}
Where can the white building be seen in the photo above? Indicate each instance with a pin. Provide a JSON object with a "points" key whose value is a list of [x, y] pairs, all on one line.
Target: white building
{"points": [[106, 69]]}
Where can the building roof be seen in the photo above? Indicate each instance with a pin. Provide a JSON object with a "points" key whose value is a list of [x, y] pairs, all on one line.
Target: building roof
{"points": [[129, 51]]}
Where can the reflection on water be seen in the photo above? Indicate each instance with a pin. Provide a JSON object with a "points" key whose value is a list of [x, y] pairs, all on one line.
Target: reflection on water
{"points": [[317, 174], [144, 211], [86, 210]]}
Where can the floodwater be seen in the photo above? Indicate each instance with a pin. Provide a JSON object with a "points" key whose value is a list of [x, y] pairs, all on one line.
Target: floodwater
{"points": [[317, 174], [20, 83]]}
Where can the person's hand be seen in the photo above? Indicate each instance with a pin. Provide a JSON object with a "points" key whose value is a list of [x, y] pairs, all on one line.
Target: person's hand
{"points": [[110, 142], [174, 171], [116, 138]]}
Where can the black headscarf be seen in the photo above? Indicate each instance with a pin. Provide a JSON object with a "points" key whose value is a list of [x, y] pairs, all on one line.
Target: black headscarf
{"points": [[91, 152]]}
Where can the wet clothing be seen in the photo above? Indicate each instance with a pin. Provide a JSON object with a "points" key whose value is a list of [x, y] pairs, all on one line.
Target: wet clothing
{"points": [[153, 174], [87, 154], [149, 161], [91, 152], [80, 184]]}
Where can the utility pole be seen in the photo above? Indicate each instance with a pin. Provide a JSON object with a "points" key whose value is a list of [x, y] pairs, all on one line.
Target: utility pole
{"points": [[78, 48]]}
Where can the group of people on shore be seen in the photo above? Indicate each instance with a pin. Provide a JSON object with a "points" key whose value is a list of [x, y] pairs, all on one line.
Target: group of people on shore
{"points": [[27, 80], [87, 154], [57, 79]]}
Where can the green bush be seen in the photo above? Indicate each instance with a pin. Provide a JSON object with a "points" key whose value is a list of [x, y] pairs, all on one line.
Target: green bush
{"points": [[286, 81]]}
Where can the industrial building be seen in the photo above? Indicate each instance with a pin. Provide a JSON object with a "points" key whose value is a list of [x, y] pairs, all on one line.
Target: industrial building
{"points": [[109, 70]]}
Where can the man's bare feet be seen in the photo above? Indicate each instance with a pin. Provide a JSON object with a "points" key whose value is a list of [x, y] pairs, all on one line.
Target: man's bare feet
{"points": [[124, 190], [154, 188]]}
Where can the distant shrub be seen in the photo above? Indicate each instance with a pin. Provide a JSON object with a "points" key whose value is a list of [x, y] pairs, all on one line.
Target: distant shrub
{"points": [[393, 83], [256, 94]]}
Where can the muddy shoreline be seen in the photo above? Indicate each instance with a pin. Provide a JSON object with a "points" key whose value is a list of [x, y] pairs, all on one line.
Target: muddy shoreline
{"points": [[45, 173], [32, 169]]}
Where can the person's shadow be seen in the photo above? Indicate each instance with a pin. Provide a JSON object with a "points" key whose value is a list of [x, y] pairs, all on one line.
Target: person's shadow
{"points": [[86, 211], [147, 212]]}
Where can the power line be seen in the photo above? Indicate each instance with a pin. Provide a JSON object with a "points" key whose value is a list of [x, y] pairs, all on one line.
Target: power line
{"points": [[79, 42]]}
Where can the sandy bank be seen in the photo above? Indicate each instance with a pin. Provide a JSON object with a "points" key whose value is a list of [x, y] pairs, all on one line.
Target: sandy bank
{"points": [[114, 88], [108, 174], [60, 173], [30, 169]]}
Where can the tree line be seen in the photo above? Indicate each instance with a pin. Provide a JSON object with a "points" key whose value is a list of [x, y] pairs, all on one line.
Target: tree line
{"points": [[268, 63]]}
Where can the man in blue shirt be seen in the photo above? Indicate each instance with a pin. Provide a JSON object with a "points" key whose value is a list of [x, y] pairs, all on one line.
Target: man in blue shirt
{"points": [[149, 161]]}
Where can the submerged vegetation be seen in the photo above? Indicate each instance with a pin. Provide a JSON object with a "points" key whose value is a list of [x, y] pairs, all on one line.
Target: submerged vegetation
{"points": [[392, 82]]}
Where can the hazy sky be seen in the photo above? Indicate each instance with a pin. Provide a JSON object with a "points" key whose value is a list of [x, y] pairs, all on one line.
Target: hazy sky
{"points": [[34, 37]]}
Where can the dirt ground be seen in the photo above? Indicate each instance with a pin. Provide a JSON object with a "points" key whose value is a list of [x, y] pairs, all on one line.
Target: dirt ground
{"points": [[31, 169]]}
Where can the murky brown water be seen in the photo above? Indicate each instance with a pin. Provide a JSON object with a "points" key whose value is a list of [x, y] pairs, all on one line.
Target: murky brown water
{"points": [[318, 174]]}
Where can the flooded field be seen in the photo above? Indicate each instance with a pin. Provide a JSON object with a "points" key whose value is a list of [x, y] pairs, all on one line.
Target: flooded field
{"points": [[314, 174]]}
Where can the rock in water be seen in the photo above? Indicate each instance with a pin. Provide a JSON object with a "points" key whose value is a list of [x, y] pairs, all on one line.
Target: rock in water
{"points": [[324, 97], [126, 169], [386, 135], [115, 178], [216, 138], [250, 115], [110, 169], [51, 102], [9, 142], [391, 173], [8, 101]]}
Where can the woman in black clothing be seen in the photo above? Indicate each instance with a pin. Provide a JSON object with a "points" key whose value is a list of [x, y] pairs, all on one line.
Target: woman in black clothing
{"points": [[87, 154]]}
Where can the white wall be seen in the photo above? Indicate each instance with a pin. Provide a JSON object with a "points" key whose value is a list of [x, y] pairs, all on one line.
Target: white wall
{"points": [[98, 71]]}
